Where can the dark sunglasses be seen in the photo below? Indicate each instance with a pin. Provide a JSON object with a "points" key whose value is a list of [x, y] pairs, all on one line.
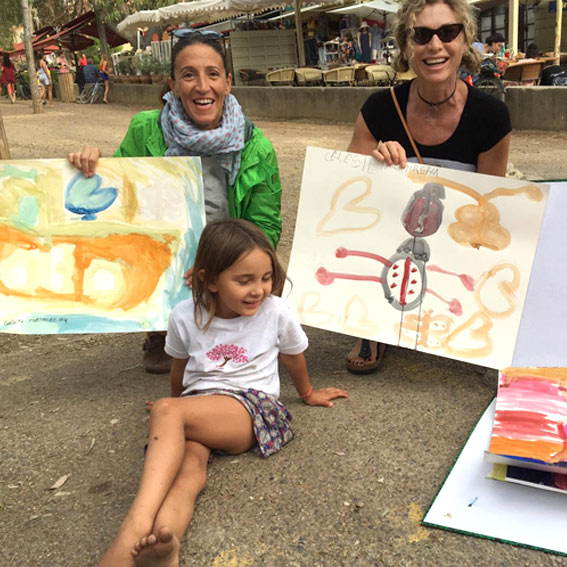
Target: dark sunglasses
{"points": [[446, 33], [188, 32]]}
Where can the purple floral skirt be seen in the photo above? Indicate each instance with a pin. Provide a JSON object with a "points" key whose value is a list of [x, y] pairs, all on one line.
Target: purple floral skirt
{"points": [[270, 418]]}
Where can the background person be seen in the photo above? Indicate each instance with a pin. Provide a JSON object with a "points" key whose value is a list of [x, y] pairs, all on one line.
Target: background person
{"points": [[79, 78], [532, 52], [103, 72], [62, 62], [201, 118], [452, 124], [65, 76], [8, 77], [90, 72], [365, 40], [44, 77], [493, 44], [348, 55]]}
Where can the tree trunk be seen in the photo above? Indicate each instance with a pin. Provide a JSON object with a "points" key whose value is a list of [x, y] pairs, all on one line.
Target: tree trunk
{"points": [[36, 102], [299, 33], [101, 28], [4, 150]]}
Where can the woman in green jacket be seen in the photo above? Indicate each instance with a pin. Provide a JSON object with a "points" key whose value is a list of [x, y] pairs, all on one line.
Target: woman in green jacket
{"points": [[201, 118]]}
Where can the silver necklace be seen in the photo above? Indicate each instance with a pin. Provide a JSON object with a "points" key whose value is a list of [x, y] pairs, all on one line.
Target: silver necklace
{"points": [[434, 106]]}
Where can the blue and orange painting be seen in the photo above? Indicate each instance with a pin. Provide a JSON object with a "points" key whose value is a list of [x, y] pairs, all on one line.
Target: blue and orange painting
{"points": [[105, 254]]}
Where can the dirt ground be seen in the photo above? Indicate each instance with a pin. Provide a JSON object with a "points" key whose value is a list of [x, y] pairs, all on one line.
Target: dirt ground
{"points": [[349, 491]]}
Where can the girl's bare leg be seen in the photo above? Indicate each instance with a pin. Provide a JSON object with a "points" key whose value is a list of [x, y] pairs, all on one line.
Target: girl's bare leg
{"points": [[218, 422], [162, 546], [106, 87], [50, 94]]}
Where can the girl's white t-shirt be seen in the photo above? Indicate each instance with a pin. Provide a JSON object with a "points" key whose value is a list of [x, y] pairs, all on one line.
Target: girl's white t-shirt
{"points": [[238, 353]]}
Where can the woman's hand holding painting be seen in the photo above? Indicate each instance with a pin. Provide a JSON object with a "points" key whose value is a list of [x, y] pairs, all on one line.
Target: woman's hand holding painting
{"points": [[390, 153], [85, 160]]}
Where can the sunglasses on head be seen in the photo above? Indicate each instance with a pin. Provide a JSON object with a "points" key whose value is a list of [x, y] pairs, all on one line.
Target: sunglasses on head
{"points": [[188, 32], [446, 33]]}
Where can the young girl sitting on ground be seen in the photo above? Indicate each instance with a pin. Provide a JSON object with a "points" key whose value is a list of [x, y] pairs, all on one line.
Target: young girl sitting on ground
{"points": [[225, 343]]}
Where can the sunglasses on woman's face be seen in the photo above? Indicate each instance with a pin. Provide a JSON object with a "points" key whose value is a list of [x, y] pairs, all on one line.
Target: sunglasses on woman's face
{"points": [[188, 32], [446, 33]]}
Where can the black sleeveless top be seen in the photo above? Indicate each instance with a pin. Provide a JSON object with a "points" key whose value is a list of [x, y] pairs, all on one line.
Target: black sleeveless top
{"points": [[484, 122]]}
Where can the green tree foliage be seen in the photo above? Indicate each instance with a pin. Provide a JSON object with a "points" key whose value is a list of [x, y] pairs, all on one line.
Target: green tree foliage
{"points": [[58, 12], [10, 17], [153, 4]]}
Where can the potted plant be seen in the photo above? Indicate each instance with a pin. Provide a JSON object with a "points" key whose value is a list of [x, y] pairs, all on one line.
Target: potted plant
{"points": [[136, 66], [155, 72], [125, 69], [120, 72], [165, 68], [145, 68]]}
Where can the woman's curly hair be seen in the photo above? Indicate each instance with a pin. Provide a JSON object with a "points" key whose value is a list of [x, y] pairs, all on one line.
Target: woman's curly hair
{"points": [[403, 31]]}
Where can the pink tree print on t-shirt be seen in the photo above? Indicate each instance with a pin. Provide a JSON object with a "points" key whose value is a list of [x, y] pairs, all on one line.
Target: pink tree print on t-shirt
{"points": [[228, 352]]}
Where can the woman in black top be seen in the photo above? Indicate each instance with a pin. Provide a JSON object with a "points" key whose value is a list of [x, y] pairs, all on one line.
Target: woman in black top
{"points": [[453, 125]]}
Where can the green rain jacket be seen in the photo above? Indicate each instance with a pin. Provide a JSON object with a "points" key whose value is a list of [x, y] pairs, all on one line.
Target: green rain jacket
{"points": [[256, 193]]}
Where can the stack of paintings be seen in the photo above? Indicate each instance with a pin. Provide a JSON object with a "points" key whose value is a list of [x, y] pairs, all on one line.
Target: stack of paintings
{"points": [[529, 436]]}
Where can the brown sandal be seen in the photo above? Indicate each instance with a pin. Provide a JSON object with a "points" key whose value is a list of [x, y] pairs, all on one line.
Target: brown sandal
{"points": [[369, 365]]}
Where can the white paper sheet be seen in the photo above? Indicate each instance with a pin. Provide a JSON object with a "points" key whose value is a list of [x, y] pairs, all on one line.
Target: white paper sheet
{"points": [[542, 337], [469, 502], [427, 258]]}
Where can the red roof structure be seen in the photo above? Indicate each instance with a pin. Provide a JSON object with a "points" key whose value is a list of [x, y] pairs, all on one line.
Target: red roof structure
{"points": [[75, 35]]}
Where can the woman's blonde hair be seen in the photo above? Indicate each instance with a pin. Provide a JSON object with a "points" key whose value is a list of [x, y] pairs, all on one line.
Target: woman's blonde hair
{"points": [[405, 20], [222, 243]]}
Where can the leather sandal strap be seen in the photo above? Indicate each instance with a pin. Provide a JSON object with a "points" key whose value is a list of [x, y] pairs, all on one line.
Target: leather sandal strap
{"points": [[365, 350]]}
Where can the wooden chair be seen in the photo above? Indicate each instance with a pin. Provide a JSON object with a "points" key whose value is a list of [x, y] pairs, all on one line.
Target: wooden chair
{"points": [[407, 76], [524, 72], [380, 75], [339, 76], [248, 76], [308, 75], [281, 77]]}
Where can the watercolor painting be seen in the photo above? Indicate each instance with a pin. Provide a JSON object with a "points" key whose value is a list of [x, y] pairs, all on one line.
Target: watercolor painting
{"points": [[530, 423], [426, 258], [104, 254]]}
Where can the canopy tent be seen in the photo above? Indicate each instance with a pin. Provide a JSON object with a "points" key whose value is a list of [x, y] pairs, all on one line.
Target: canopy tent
{"points": [[369, 9], [75, 35], [292, 12], [214, 10], [186, 12]]}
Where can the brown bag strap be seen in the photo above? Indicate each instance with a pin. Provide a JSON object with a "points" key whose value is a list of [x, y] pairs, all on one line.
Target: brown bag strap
{"points": [[405, 125]]}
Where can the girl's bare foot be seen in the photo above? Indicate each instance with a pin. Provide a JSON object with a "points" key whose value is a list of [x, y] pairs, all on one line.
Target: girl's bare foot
{"points": [[161, 550]]}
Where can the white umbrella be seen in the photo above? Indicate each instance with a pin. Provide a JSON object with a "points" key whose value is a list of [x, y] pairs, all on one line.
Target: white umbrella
{"points": [[140, 19], [368, 9], [210, 10]]}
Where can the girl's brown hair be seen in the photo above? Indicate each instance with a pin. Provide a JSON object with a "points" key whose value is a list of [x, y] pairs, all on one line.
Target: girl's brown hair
{"points": [[405, 20], [222, 243]]}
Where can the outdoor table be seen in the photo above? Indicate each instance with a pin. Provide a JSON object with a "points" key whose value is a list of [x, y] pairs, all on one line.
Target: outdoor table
{"points": [[526, 70]]}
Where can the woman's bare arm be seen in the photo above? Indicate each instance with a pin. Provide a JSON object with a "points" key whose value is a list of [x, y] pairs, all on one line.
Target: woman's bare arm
{"points": [[495, 160]]}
